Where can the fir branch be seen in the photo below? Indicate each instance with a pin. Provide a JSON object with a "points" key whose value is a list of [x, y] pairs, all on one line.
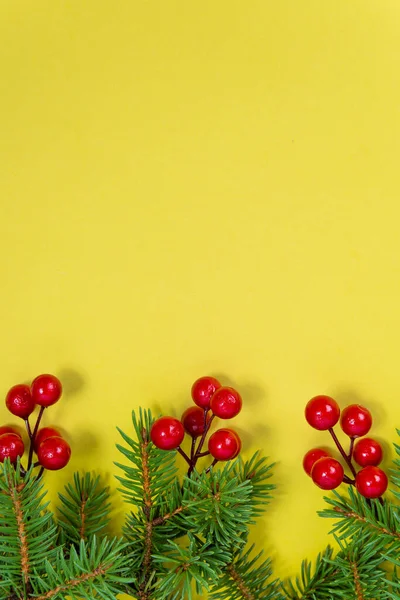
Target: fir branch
{"points": [[180, 566], [246, 578], [84, 508], [240, 583], [357, 582], [162, 519], [257, 471], [97, 570], [147, 477], [217, 505], [355, 515], [21, 528], [28, 534], [315, 583]]}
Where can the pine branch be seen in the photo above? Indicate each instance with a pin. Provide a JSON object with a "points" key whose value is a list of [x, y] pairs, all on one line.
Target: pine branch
{"points": [[246, 578], [96, 571], [355, 515], [318, 583], [258, 472], [361, 565], [217, 505], [28, 534], [198, 562], [84, 509], [150, 473]]}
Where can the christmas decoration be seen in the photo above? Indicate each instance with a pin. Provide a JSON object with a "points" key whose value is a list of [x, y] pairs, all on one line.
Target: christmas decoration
{"points": [[322, 413], [44, 555], [188, 532]]}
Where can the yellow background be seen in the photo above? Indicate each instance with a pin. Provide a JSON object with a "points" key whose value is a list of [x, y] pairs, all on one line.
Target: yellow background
{"points": [[203, 187]]}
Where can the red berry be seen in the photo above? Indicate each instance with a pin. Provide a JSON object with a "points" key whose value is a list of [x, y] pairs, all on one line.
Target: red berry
{"points": [[54, 453], [311, 458], [7, 429], [224, 444], [43, 434], [327, 473], [226, 403], [46, 390], [368, 452], [203, 390], [11, 446], [194, 420], [167, 433], [371, 482], [19, 401], [356, 420], [322, 412]]}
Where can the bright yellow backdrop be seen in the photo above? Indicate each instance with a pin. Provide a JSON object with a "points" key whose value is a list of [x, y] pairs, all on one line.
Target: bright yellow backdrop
{"points": [[203, 187]]}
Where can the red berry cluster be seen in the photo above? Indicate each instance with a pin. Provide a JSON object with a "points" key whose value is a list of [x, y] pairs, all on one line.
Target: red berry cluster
{"points": [[52, 451], [323, 413], [211, 400]]}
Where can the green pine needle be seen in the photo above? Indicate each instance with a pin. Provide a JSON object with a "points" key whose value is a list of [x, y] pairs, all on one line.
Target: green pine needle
{"points": [[85, 508]]}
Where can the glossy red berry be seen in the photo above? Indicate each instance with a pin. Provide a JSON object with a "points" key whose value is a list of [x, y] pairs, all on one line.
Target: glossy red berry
{"points": [[371, 482], [19, 401], [167, 433], [203, 390], [322, 412], [327, 473], [54, 453], [194, 421], [7, 429], [46, 390], [43, 434], [311, 458], [224, 444], [11, 446], [356, 420], [226, 403], [368, 452]]}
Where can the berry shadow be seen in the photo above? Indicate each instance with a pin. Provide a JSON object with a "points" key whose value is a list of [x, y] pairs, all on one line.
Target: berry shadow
{"points": [[73, 383]]}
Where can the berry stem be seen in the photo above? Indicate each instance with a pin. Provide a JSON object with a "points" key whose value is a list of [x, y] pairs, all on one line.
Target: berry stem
{"points": [[41, 471], [185, 456], [348, 480], [28, 428], [192, 448], [352, 440], [342, 452], [33, 437], [214, 462], [203, 437], [198, 453], [203, 454]]}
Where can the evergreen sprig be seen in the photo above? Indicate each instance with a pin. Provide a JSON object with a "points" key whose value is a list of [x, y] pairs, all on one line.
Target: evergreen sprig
{"points": [[188, 534], [94, 570], [247, 577], [28, 534], [33, 562], [84, 508]]}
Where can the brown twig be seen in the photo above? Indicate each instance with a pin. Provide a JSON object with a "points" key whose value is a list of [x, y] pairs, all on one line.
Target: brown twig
{"points": [[33, 436], [357, 517], [244, 590], [357, 582], [162, 519], [148, 503], [82, 516], [19, 515], [342, 452], [100, 570]]}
